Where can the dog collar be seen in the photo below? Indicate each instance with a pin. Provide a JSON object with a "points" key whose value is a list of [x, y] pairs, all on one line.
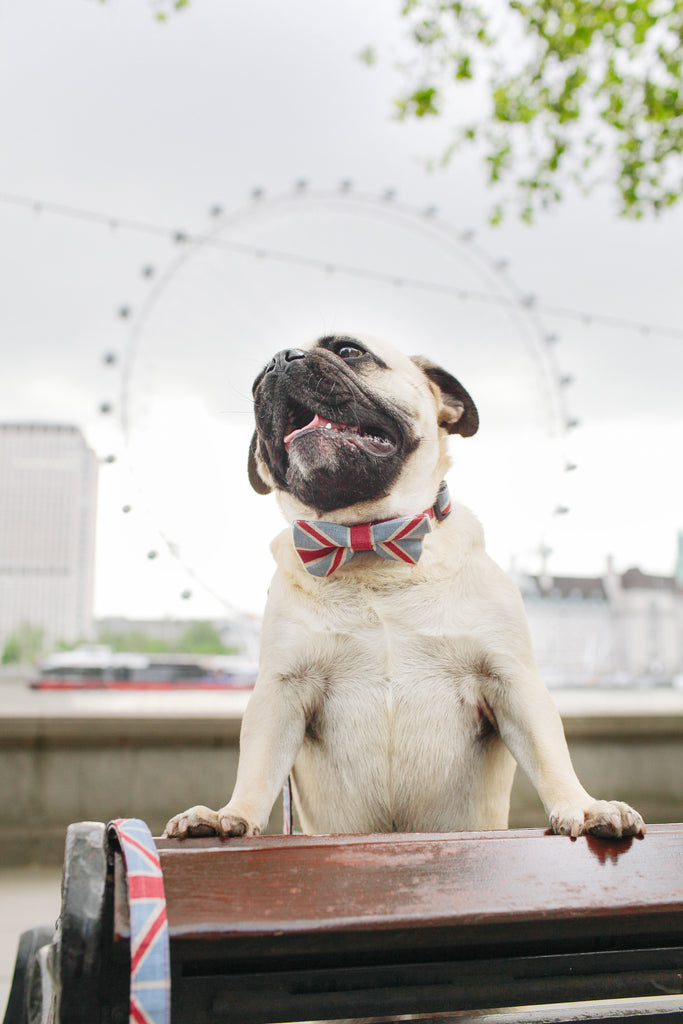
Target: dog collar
{"points": [[323, 547]]}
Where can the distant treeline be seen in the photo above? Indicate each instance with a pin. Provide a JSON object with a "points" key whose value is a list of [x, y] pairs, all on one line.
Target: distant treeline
{"points": [[26, 644]]}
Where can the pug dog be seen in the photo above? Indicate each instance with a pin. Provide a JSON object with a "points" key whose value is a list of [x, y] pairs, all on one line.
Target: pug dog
{"points": [[397, 681]]}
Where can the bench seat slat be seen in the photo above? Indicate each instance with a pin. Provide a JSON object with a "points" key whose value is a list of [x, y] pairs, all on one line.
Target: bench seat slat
{"points": [[476, 886]]}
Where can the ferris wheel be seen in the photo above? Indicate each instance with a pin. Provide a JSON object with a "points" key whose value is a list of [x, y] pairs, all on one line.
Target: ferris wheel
{"points": [[284, 269]]}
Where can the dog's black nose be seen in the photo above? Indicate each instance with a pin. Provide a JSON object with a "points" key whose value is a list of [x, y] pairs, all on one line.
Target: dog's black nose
{"points": [[280, 359]]}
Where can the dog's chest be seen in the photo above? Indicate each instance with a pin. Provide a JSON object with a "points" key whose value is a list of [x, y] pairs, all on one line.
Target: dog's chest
{"points": [[397, 730], [385, 659]]}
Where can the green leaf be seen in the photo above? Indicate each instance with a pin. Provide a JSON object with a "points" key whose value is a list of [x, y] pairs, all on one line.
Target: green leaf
{"points": [[368, 56], [422, 102], [571, 84]]}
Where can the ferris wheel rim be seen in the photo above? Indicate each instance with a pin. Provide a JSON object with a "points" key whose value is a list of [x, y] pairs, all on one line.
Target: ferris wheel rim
{"points": [[519, 303]]}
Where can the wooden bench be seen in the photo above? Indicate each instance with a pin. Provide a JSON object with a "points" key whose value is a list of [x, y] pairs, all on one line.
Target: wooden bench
{"points": [[285, 928]]}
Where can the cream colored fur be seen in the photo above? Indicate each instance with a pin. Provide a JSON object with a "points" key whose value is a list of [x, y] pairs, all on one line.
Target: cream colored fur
{"points": [[400, 697]]}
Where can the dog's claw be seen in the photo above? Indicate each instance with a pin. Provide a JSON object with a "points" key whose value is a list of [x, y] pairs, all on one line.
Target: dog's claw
{"points": [[233, 827]]}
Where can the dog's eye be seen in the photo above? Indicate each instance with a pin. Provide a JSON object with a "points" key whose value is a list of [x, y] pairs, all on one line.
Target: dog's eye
{"points": [[348, 352]]}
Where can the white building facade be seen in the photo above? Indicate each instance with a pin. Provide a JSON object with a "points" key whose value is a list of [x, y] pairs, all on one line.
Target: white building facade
{"points": [[48, 505], [617, 629]]}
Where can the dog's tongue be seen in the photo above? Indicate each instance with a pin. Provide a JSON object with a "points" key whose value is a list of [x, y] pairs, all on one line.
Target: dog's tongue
{"points": [[317, 421]]}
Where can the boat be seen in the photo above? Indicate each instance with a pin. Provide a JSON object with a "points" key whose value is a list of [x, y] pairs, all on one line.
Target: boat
{"points": [[98, 667]]}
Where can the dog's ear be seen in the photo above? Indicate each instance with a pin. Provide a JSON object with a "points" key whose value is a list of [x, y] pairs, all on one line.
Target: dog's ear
{"points": [[255, 478], [457, 413]]}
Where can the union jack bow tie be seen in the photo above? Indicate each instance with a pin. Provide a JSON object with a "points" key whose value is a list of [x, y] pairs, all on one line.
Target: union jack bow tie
{"points": [[324, 547]]}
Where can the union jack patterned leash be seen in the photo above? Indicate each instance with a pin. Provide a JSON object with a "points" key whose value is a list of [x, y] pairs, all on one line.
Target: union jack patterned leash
{"points": [[150, 971], [323, 547], [287, 808]]}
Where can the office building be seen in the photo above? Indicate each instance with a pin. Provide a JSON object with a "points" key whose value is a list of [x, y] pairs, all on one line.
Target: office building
{"points": [[48, 501]]}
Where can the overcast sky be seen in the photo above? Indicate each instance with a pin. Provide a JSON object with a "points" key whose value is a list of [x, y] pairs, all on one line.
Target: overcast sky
{"points": [[104, 109]]}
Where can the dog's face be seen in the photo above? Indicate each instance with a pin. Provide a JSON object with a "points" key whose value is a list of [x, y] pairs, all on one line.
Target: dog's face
{"points": [[345, 422]]}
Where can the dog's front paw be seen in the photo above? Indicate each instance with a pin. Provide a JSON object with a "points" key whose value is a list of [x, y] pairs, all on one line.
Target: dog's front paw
{"points": [[197, 821], [202, 821], [612, 819], [608, 819]]}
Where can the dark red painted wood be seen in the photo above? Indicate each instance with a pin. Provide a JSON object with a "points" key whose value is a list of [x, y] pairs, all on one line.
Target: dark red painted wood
{"points": [[483, 886]]}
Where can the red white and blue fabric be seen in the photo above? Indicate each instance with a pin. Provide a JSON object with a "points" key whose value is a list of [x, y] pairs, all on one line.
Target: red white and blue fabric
{"points": [[442, 506], [150, 962], [324, 547]]}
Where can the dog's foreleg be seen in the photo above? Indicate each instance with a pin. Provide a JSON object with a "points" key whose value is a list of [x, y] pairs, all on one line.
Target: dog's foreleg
{"points": [[272, 733], [531, 728]]}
